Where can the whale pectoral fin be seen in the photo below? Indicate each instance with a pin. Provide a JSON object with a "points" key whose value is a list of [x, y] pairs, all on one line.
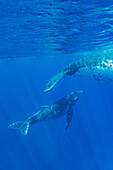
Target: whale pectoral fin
{"points": [[51, 83], [69, 117]]}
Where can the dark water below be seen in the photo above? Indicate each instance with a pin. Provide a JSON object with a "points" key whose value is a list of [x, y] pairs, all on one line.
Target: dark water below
{"points": [[37, 38]]}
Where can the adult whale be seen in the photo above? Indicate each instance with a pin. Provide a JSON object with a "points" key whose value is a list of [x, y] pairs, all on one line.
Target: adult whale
{"points": [[100, 68], [48, 112]]}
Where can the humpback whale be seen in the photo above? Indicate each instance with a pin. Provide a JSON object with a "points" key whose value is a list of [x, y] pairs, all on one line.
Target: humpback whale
{"points": [[49, 112], [101, 68]]}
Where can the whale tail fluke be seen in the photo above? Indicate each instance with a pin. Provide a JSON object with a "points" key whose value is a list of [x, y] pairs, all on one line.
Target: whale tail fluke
{"points": [[23, 126], [51, 83]]}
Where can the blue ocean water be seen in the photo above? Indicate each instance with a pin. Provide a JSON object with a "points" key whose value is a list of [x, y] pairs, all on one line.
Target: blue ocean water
{"points": [[37, 39]]}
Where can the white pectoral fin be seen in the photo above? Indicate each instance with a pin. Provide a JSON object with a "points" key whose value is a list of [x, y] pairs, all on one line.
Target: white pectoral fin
{"points": [[51, 83]]}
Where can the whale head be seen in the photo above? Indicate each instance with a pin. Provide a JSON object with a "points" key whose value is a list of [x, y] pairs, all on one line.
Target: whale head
{"points": [[74, 96]]}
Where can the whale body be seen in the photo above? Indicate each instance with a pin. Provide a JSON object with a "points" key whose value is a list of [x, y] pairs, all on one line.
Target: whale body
{"points": [[101, 68], [48, 112]]}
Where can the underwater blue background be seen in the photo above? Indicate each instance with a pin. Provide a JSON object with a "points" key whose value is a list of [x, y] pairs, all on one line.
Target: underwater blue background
{"points": [[38, 38]]}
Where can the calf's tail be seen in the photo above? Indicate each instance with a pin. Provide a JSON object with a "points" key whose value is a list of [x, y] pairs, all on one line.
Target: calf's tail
{"points": [[23, 126]]}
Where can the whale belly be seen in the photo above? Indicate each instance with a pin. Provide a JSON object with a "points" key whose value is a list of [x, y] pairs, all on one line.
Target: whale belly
{"points": [[101, 71]]}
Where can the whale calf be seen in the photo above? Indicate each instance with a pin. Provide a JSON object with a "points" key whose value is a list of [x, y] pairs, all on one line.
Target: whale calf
{"points": [[101, 68], [48, 112]]}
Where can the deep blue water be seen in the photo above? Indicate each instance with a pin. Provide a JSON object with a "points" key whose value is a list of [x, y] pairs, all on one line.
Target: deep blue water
{"points": [[38, 38]]}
